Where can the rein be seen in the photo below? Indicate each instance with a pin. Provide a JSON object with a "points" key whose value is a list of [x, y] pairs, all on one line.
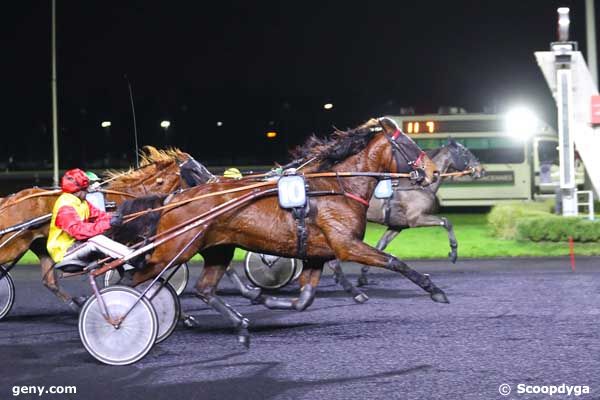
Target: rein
{"points": [[30, 196], [385, 175], [110, 191]]}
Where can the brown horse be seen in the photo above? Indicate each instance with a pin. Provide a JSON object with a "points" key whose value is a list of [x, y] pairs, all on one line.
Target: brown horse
{"points": [[413, 207], [161, 171], [334, 221]]}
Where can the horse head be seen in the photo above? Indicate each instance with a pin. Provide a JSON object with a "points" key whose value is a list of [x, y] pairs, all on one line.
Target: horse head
{"points": [[406, 153], [462, 159], [161, 171]]}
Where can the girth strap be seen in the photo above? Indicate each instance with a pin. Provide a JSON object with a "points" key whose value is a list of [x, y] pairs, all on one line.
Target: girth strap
{"points": [[299, 214]]}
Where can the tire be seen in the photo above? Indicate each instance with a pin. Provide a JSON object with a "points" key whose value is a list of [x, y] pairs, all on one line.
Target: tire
{"points": [[165, 301], [299, 269], [179, 281], [7, 293], [132, 340], [269, 272]]}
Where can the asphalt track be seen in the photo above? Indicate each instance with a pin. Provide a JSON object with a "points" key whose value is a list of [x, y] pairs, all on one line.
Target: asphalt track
{"points": [[529, 321]]}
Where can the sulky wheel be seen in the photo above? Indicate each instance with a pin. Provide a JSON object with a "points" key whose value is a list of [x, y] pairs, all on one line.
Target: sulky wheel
{"points": [[166, 304], [298, 268], [7, 292], [269, 272], [178, 281], [128, 342]]}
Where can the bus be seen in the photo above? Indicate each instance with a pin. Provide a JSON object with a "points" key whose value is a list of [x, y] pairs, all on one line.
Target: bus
{"points": [[520, 159]]}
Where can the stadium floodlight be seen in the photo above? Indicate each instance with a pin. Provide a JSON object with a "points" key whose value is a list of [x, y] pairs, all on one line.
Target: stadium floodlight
{"points": [[328, 106], [563, 24], [521, 122], [165, 124], [105, 124]]}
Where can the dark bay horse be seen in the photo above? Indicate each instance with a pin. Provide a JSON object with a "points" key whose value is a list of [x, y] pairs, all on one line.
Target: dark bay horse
{"points": [[161, 171], [413, 207], [335, 221]]}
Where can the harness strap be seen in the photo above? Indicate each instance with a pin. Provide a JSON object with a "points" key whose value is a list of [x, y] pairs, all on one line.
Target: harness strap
{"points": [[299, 214], [387, 211], [357, 198]]}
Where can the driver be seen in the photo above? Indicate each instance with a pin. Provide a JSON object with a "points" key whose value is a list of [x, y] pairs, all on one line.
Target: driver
{"points": [[76, 227]]}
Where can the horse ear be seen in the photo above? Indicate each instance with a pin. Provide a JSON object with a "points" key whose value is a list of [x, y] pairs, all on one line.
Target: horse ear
{"points": [[451, 141], [151, 152], [389, 125]]}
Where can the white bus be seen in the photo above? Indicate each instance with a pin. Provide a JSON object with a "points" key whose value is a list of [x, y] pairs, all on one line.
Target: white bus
{"points": [[520, 158]]}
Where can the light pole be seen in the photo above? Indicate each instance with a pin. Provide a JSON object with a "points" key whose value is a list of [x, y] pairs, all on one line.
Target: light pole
{"points": [[107, 144], [590, 27], [54, 99], [165, 124]]}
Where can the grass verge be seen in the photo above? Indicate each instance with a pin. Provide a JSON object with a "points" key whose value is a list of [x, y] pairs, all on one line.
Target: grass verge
{"points": [[474, 241]]}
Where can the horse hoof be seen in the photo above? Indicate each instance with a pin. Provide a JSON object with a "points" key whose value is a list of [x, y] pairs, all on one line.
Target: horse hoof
{"points": [[439, 296], [453, 256], [253, 292], [361, 298], [190, 322], [79, 300], [243, 334], [73, 306]]}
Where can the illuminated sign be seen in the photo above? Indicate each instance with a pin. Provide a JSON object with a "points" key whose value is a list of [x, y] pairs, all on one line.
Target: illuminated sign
{"points": [[415, 127]]}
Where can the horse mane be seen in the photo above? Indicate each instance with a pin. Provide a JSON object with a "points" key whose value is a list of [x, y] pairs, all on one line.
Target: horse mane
{"points": [[335, 148], [434, 152], [149, 155]]}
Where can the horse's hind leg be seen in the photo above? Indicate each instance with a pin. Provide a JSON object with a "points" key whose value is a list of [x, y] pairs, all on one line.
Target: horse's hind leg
{"points": [[309, 279], [383, 242], [49, 277], [248, 291], [358, 295], [215, 263]]}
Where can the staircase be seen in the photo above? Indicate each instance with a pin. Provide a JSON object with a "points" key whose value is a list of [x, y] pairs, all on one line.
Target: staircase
{"points": [[586, 137]]}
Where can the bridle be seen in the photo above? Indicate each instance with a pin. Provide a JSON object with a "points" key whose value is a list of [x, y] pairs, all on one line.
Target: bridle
{"points": [[459, 159], [397, 151]]}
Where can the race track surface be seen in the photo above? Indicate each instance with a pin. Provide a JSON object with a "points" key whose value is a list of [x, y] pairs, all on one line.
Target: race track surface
{"points": [[529, 321]]}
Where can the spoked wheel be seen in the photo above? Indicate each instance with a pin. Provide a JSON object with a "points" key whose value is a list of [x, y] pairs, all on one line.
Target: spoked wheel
{"points": [[269, 272], [166, 304], [128, 342], [7, 293], [178, 281]]}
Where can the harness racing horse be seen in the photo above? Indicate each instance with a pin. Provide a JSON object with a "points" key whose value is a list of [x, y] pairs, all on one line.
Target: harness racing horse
{"points": [[413, 207], [161, 171], [333, 223]]}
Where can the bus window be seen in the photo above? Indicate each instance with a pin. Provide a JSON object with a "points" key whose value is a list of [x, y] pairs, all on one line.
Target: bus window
{"points": [[488, 150], [548, 152]]}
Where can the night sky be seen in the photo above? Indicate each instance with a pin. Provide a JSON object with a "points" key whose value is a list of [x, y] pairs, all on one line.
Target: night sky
{"points": [[258, 66]]}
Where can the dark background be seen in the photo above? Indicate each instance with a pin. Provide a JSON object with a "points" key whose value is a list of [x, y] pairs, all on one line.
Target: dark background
{"points": [[257, 66]]}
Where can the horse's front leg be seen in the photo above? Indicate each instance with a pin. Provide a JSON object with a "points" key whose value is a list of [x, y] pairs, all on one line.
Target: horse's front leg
{"points": [[452, 239], [352, 249], [216, 261], [309, 279], [387, 237], [50, 280], [425, 220]]}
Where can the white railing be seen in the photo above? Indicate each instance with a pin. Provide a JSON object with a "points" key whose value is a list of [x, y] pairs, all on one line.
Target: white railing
{"points": [[589, 203]]}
